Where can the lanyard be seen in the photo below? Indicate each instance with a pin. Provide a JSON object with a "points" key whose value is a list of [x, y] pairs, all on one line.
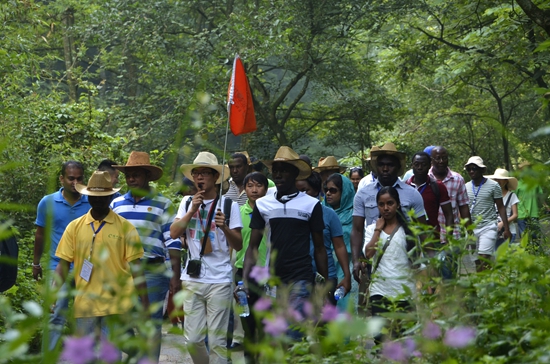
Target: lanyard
{"points": [[423, 188], [476, 193], [203, 226], [94, 235]]}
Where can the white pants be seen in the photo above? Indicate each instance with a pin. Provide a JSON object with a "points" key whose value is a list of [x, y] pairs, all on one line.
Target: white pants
{"points": [[206, 308], [486, 239]]}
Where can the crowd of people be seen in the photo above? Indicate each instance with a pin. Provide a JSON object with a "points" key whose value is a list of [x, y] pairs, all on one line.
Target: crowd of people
{"points": [[310, 227]]}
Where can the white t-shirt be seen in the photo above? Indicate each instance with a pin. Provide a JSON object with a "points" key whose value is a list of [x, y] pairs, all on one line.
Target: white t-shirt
{"points": [[216, 266], [513, 200], [394, 269]]}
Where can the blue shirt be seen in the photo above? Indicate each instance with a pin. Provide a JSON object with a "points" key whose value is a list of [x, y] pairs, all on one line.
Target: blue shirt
{"points": [[152, 216], [364, 204], [55, 210], [333, 228]]}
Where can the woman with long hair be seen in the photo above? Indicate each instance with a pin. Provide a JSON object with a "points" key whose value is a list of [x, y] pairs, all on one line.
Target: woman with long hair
{"points": [[339, 194], [391, 244], [356, 174]]}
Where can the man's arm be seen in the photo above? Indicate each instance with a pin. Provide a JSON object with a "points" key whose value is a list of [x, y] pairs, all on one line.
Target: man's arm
{"points": [[256, 236], [61, 271], [179, 225], [38, 251], [464, 211], [356, 241], [233, 236], [342, 256], [448, 212], [175, 262], [320, 253], [140, 283]]}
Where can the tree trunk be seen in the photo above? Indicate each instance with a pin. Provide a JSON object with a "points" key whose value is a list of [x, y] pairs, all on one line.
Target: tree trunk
{"points": [[69, 52]]}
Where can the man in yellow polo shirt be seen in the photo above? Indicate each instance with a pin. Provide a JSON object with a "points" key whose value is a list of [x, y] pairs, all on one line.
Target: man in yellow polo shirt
{"points": [[105, 249]]}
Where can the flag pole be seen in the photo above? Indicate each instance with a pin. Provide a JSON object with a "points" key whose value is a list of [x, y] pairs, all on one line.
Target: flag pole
{"points": [[229, 102]]}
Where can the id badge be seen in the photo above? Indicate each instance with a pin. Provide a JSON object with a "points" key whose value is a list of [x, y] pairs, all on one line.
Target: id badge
{"points": [[86, 271]]}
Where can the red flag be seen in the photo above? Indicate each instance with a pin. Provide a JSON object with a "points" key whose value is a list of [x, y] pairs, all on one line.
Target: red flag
{"points": [[240, 105]]}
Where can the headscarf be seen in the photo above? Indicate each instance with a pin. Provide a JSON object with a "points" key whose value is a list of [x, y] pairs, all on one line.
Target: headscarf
{"points": [[345, 211]]}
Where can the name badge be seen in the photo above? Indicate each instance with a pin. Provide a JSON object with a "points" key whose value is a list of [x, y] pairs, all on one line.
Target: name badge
{"points": [[86, 271]]}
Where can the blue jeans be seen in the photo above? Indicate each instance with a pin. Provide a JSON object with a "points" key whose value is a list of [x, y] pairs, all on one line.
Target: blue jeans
{"points": [[158, 284], [58, 318], [299, 294]]}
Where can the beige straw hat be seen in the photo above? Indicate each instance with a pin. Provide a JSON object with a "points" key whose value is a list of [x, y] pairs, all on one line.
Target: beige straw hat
{"points": [[98, 185]]}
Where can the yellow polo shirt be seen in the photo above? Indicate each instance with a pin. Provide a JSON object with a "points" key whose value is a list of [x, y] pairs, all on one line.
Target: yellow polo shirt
{"points": [[110, 287]]}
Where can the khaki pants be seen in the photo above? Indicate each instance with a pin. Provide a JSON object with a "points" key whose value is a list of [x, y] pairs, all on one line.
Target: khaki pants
{"points": [[206, 308]]}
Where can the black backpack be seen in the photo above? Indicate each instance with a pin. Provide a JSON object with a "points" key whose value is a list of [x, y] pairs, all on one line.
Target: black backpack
{"points": [[9, 252]]}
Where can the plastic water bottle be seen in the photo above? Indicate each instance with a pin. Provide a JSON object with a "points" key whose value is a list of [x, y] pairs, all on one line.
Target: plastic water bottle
{"points": [[339, 293], [244, 310]]}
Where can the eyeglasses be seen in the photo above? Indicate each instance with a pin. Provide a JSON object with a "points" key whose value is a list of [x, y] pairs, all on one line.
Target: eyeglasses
{"points": [[202, 173], [472, 168], [332, 190]]}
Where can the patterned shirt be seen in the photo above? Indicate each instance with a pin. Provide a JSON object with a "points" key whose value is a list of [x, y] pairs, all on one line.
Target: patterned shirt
{"points": [[152, 216], [237, 196], [456, 188]]}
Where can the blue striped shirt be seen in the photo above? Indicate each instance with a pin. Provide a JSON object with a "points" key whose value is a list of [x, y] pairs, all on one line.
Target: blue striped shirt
{"points": [[152, 216]]}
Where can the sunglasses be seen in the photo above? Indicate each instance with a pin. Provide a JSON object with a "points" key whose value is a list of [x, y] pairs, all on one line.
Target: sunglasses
{"points": [[472, 168], [355, 169], [332, 190]]}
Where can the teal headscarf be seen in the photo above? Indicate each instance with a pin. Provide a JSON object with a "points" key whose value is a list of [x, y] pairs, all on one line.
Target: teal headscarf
{"points": [[345, 211]]}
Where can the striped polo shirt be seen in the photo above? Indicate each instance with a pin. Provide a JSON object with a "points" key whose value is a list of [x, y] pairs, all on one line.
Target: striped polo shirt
{"points": [[482, 201], [152, 216]]}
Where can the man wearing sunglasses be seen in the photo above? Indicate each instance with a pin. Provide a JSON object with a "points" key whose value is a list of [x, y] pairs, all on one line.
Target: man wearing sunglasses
{"points": [[484, 194]]}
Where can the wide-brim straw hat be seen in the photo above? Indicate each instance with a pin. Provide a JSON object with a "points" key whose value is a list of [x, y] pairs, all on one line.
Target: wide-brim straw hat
{"points": [[372, 149], [478, 161], [327, 163], [141, 160], [388, 149], [501, 173], [205, 160], [287, 155], [98, 185]]}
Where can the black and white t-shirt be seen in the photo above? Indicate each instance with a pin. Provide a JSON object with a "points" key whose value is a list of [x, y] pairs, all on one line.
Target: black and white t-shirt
{"points": [[290, 225]]}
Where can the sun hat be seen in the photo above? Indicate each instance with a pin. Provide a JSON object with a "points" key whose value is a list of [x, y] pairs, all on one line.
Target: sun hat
{"points": [[477, 161], [287, 155], [501, 173], [209, 160], [141, 160], [329, 162], [388, 149], [374, 148], [99, 184]]}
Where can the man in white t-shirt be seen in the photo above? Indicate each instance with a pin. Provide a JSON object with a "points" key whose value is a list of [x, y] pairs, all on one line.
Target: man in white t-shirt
{"points": [[208, 275]]}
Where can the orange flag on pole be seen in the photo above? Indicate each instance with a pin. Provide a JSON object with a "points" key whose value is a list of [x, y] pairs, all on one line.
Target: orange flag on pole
{"points": [[240, 105]]}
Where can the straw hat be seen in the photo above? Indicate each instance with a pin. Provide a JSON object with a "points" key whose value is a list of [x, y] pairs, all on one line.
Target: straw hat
{"points": [[372, 149], [476, 161], [98, 185], [209, 160], [501, 173], [388, 149], [141, 160], [287, 155], [329, 162]]}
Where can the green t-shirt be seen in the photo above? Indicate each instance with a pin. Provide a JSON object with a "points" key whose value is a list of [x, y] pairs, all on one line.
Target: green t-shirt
{"points": [[246, 214], [528, 205]]}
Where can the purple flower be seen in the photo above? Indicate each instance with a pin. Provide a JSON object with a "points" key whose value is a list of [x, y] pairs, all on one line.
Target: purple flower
{"points": [[459, 337], [308, 309], [431, 331], [395, 351], [262, 304], [296, 315], [276, 326], [260, 274], [107, 352], [410, 346], [329, 312], [145, 361], [78, 350]]}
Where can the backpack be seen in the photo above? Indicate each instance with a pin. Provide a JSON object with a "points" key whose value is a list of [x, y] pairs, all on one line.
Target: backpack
{"points": [[227, 202], [435, 189], [9, 252]]}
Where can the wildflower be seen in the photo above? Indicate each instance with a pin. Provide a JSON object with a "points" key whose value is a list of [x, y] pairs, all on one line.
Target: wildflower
{"points": [[459, 337], [329, 312], [260, 274], [275, 327], [308, 309], [431, 331], [262, 304], [395, 351], [107, 352], [296, 315], [78, 350], [145, 361]]}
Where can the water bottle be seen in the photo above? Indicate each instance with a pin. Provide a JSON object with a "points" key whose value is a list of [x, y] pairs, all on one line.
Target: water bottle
{"points": [[244, 310], [339, 293]]}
